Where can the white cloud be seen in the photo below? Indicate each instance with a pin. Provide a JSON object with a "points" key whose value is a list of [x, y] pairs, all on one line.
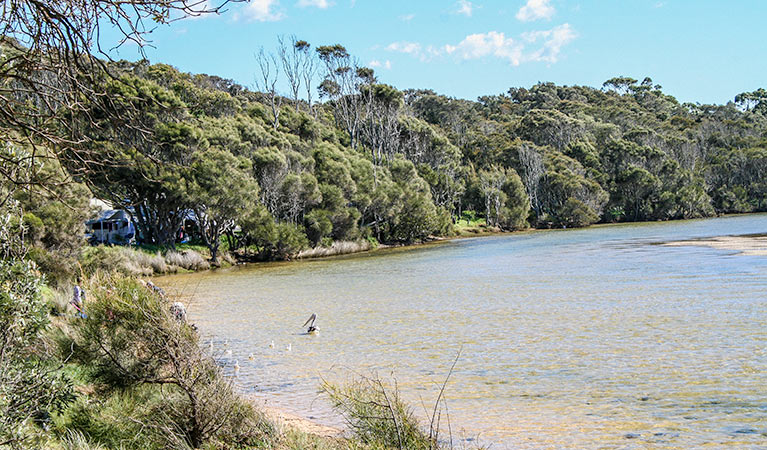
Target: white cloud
{"points": [[378, 64], [553, 41], [407, 17], [534, 46], [411, 48], [535, 9], [465, 7], [262, 11], [321, 4], [493, 43], [415, 49]]}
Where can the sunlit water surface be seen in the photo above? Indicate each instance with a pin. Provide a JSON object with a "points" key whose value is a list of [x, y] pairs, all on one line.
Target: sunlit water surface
{"points": [[591, 338]]}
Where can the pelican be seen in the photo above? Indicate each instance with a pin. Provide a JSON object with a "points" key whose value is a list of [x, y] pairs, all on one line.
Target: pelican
{"points": [[271, 344], [310, 321], [237, 368], [289, 348]]}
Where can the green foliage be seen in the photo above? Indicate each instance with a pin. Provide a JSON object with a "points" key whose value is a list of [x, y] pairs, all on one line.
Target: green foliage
{"points": [[53, 219], [221, 190], [30, 389], [506, 204], [377, 415], [152, 368]]}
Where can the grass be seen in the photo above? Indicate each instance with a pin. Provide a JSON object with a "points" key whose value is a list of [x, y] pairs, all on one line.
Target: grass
{"points": [[336, 248], [468, 226], [136, 262]]}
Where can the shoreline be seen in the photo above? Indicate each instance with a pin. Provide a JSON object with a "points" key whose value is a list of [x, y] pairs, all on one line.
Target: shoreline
{"points": [[483, 232], [283, 418]]}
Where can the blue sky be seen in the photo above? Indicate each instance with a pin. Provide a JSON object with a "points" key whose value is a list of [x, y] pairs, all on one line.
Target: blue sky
{"points": [[703, 51]]}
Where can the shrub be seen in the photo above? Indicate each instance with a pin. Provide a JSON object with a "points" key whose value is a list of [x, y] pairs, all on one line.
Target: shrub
{"points": [[377, 415], [575, 213], [29, 388], [130, 344]]}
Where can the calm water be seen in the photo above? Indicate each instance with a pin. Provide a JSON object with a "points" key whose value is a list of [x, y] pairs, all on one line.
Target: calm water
{"points": [[593, 338]]}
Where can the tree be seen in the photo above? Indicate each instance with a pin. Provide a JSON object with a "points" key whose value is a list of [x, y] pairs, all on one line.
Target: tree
{"points": [[533, 171], [308, 70], [753, 101], [222, 190], [342, 85], [267, 83], [52, 68], [55, 210], [506, 204], [380, 125], [132, 342], [621, 85]]}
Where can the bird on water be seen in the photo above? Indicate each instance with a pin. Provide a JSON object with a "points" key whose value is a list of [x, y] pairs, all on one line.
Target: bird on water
{"points": [[310, 321]]}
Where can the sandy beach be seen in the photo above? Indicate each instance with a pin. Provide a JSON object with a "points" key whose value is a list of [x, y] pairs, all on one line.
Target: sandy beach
{"points": [[746, 245], [285, 419]]}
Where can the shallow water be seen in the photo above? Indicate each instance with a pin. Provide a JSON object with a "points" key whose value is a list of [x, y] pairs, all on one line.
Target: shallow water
{"points": [[591, 338]]}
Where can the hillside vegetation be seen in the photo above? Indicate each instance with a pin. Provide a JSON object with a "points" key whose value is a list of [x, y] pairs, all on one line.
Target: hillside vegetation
{"points": [[271, 176]]}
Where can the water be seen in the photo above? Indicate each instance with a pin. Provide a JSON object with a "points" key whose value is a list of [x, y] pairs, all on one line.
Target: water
{"points": [[591, 338]]}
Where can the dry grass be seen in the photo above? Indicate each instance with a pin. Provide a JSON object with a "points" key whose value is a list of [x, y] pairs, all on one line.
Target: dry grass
{"points": [[136, 263], [187, 259], [337, 248]]}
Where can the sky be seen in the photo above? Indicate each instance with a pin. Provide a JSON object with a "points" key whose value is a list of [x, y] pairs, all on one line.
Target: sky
{"points": [[704, 51]]}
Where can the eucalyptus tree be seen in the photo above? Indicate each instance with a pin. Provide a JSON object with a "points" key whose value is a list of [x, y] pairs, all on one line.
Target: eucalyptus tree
{"points": [[533, 172], [291, 58], [309, 69], [266, 82], [343, 84], [380, 127]]}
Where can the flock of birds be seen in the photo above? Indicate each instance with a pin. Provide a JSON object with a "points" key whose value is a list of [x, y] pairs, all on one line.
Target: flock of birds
{"points": [[289, 348]]}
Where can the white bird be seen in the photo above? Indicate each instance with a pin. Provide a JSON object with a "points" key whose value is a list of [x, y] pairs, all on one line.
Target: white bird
{"points": [[226, 343], [310, 321], [289, 348], [211, 345], [228, 354], [251, 357], [236, 368], [271, 344]]}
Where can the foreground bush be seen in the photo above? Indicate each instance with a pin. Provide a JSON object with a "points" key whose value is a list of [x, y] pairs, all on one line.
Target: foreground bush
{"points": [[377, 415], [30, 390], [150, 368]]}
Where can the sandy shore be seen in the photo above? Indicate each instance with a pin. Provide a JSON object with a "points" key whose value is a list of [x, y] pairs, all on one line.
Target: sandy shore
{"points": [[746, 245], [285, 419]]}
